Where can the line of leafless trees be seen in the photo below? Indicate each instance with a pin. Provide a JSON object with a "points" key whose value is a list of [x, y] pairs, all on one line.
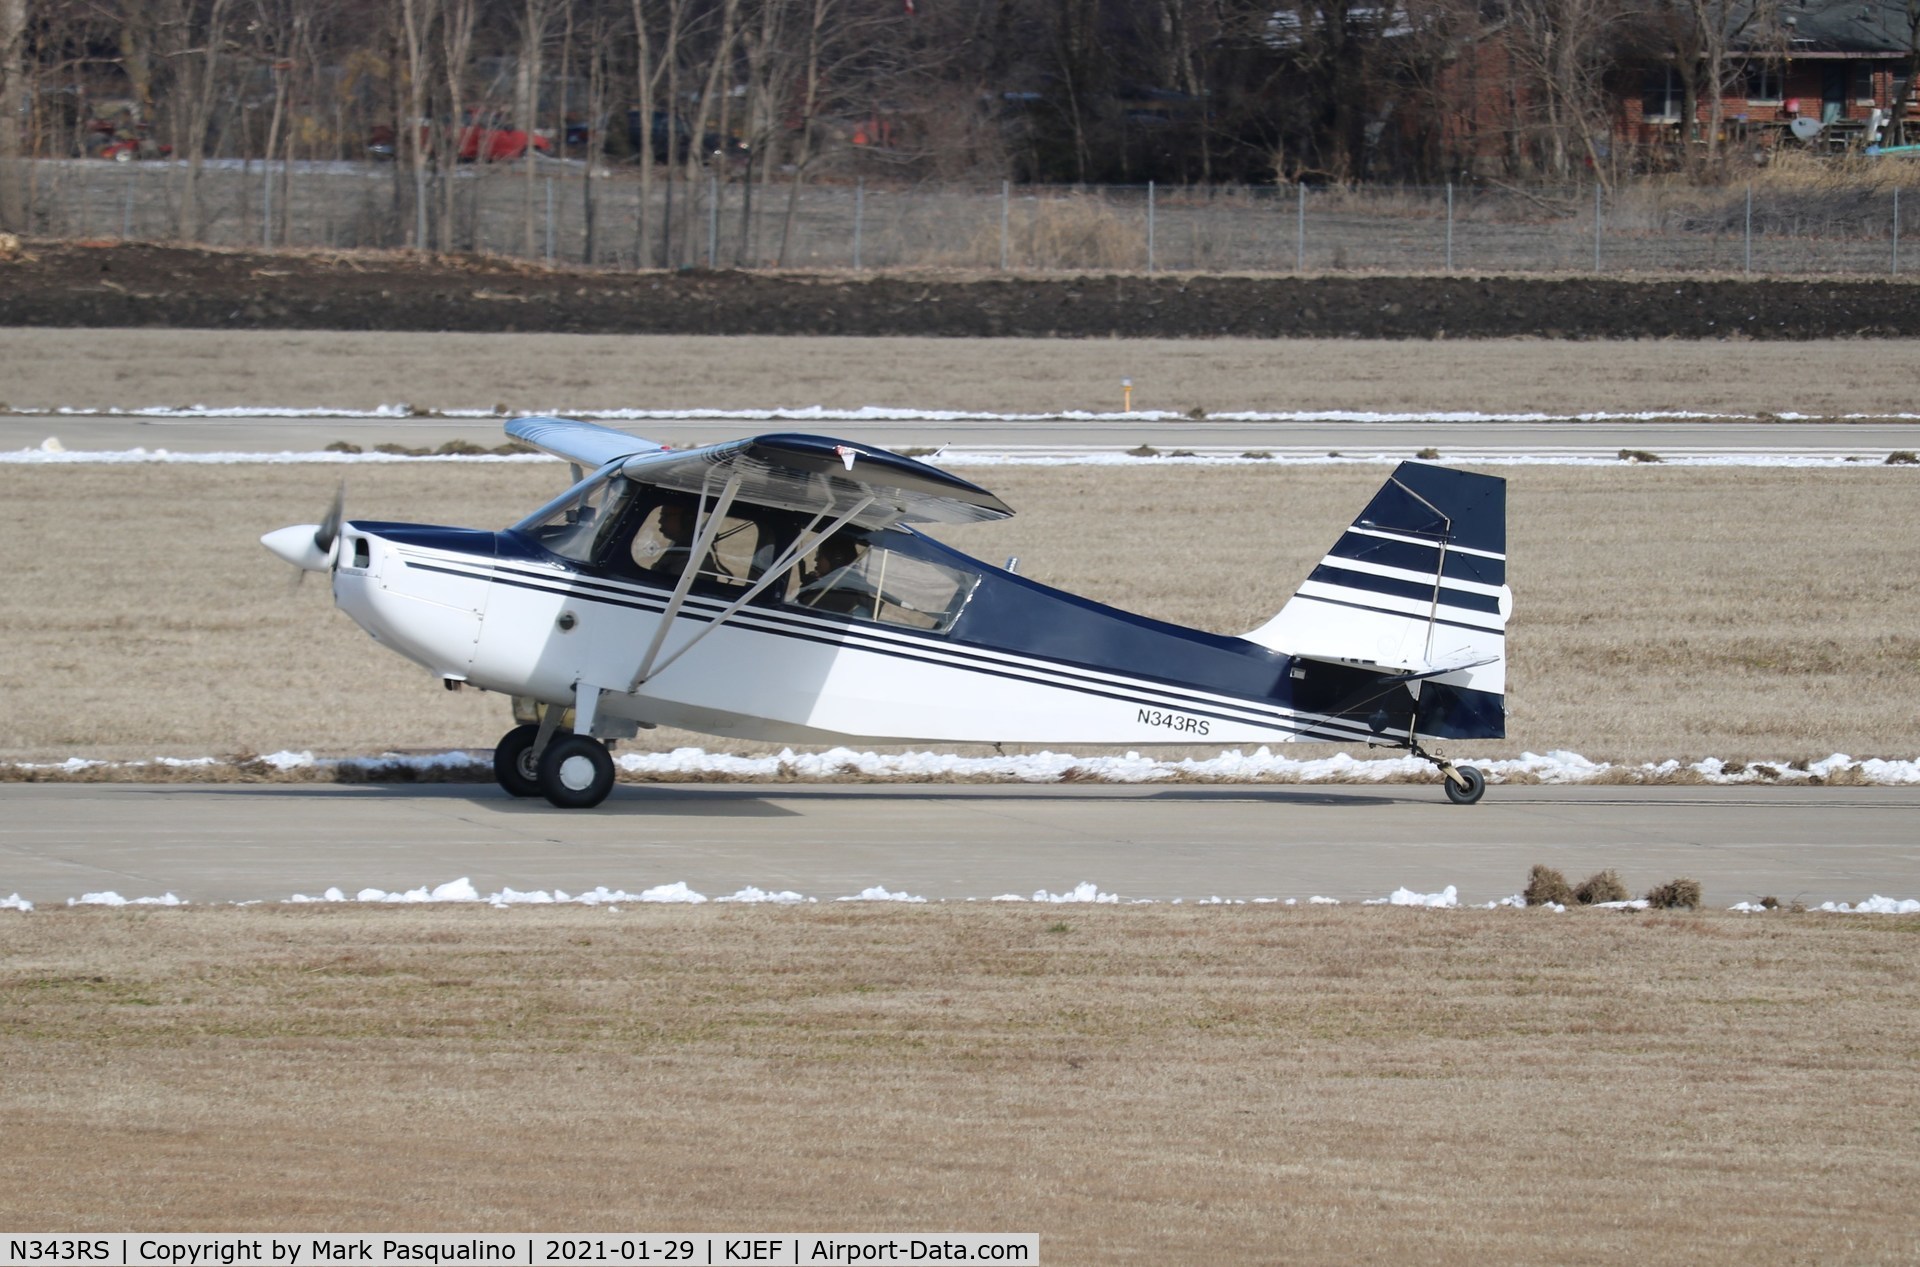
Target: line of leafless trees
{"points": [[768, 94]]}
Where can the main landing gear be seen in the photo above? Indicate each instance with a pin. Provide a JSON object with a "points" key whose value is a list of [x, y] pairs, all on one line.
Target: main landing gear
{"points": [[1464, 783], [573, 771]]}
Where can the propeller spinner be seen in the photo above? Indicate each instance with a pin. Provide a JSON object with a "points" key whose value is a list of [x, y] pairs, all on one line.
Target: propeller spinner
{"points": [[310, 547]]}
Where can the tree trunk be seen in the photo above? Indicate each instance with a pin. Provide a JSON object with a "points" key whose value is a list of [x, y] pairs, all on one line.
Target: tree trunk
{"points": [[810, 106], [417, 133], [13, 192], [456, 38]]}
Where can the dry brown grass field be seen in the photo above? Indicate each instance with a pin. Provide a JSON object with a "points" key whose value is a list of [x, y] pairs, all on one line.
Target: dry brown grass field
{"points": [[1659, 612], [1173, 1085], [136, 368]]}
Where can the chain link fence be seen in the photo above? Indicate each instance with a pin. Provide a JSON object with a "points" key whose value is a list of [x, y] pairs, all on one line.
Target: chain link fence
{"points": [[558, 212]]}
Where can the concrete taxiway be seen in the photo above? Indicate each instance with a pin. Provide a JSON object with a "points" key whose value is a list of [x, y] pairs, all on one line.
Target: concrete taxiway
{"points": [[215, 843]]}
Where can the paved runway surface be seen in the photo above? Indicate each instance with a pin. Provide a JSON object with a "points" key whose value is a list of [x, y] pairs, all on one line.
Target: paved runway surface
{"points": [[1603, 439], [237, 843]]}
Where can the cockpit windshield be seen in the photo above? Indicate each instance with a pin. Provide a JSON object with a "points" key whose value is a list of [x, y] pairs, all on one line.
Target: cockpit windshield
{"points": [[576, 524]]}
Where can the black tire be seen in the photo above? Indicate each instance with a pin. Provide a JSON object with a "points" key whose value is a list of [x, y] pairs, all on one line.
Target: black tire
{"points": [[576, 772], [513, 765], [1476, 786]]}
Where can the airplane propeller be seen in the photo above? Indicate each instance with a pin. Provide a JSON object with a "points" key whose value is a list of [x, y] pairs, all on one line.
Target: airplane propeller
{"points": [[310, 547]]}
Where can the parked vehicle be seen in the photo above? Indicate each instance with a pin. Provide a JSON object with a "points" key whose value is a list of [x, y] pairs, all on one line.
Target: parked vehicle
{"points": [[483, 139], [122, 137]]}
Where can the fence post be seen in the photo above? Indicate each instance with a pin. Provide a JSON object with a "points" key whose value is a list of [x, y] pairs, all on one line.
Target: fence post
{"points": [[1596, 226], [1749, 231], [126, 213], [549, 217], [1006, 196], [1449, 226], [266, 202], [713, 218], [1149, 228], [1896, 228], [859, 218], [1300, 231]]}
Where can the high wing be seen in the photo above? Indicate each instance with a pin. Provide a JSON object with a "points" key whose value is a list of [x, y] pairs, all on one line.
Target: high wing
{"points": [[821, 475], [582, 443], [814, 474]]}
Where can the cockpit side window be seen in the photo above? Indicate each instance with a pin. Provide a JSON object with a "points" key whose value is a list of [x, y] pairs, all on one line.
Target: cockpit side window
{"points": [[663, 526], [852, 574]]}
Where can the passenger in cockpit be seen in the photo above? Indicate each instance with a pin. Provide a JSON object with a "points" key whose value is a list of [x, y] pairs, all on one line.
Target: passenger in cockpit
{"points": [[831, 579]]}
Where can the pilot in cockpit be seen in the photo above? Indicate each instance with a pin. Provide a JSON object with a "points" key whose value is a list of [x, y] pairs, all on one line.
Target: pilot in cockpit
{"points": [[665, 537]]}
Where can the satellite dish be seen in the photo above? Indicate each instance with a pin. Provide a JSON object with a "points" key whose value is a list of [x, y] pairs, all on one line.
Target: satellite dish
{"points": [[1806, 129]]}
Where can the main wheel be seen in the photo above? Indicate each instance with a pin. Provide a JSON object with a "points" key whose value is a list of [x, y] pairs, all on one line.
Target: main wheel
{"points": [[513, 765], [576, 772], [1476, 786]]}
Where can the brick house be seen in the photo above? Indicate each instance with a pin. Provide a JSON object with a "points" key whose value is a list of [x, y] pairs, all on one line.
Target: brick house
{"points": [[1836, 64]]}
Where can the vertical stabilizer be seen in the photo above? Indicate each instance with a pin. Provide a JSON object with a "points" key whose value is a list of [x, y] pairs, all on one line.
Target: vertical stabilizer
{"points": [[1416, 586]]}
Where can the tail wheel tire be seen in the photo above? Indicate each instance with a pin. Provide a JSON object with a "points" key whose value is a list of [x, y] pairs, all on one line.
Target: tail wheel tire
{"points": [[576, 772], [513, 765], [1475, 786]]}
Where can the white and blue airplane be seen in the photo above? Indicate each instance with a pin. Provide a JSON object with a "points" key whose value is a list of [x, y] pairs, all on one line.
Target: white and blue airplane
{"points": [[775, 588]]}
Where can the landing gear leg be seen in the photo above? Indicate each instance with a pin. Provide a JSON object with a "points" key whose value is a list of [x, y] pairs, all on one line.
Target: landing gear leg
{"points": [[576, 771], [1464, 783]]}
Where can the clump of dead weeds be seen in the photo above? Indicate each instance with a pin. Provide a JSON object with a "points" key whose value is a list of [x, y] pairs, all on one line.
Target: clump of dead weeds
{"points": [[1601, 886], [1546, 886], [1681, 894]]}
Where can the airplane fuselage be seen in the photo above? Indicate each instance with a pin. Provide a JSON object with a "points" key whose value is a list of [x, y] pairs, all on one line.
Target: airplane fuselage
{"points": [[1012, 661]]}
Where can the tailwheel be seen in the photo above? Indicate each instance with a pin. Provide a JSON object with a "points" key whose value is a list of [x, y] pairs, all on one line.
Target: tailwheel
{"points": [[1465, 784], [576, 772], [514, 765]]}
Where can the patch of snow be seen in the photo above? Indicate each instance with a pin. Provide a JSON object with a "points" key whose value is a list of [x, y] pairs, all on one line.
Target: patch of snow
{"points": [[784, 897], [878, 893], [1875, 905], [1262, 765], [15, 903], [1317, 900], [1447, 897], [111, 898], [1085, 891]]}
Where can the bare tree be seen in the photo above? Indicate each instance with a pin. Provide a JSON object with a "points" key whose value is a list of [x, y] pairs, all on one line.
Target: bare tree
{"points": [[456, 44], [654, 63], [1561, 50], [1901, 23], [417, 136], [536, 15], [199, 38], [13, 83]]}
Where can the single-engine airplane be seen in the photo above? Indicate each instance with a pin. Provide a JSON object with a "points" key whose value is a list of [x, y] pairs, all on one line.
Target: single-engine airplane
{"points": [[775, 588]]}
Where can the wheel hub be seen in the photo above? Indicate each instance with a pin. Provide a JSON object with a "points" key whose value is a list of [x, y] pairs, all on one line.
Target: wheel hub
{"points": [[576, 773]]}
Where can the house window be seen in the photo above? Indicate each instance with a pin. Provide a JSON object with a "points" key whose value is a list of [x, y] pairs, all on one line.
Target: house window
{"points": [[1763, 82], [1661, 98], [1864, 74]]}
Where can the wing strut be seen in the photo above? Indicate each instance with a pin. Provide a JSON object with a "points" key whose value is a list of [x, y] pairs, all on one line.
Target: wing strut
{"points": [[777, 569]]}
